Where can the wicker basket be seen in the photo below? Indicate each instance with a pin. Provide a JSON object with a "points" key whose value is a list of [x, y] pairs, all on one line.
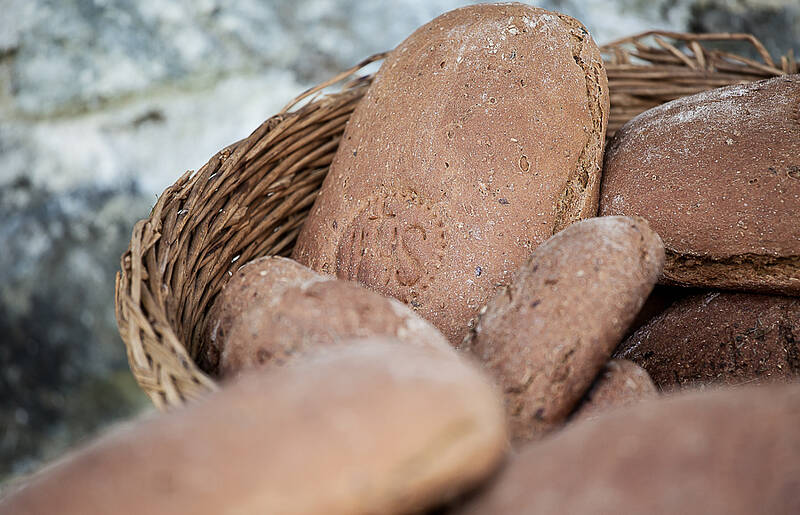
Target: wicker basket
{"points": [[251, 198]]}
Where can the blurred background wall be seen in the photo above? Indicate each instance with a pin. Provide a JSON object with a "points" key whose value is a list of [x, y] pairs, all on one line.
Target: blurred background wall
{"points": [[104, 103]]}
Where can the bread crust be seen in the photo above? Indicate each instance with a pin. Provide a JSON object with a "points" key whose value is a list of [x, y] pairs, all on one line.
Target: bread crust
{"points": [[368, 427], [720, 338], [481, 136], [718, 176], [620, 383], [275, 310], [731, 452], [547, 336]]}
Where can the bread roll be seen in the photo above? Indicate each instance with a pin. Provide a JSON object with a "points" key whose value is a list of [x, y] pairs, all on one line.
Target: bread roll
{"points": [[620, 383], [373, 427], [546, 337], [481, 135], [274, 310], [720, 339], [717, 175], [733, 452]]}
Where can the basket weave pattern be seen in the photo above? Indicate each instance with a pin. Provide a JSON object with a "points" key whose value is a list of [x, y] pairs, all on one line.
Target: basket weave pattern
{"points": [[251, 198]]}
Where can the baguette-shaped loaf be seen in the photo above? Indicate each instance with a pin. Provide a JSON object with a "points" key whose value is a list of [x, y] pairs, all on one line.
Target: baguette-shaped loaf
{"points": [[547, 336]]}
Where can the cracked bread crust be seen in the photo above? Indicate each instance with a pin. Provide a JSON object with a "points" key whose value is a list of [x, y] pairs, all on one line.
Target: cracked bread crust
{"points": [[479, 138], [718, 176]]}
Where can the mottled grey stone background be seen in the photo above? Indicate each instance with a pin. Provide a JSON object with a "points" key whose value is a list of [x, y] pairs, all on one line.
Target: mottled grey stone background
{"points": [[103, 103]]}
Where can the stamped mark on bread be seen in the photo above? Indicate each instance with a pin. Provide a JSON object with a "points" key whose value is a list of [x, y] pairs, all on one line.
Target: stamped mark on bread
{"points": [[395, 244]]}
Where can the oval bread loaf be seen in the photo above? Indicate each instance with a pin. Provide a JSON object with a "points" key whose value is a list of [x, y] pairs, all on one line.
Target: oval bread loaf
{"points": [[546, 337], [717, 175], [620, 383], [481, 135], [720, 338], [370, 427], [274, 310], [731, 452]]}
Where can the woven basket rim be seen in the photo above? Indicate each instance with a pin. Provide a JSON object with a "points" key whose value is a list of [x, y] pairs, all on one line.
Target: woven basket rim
{"points": [[250, 198]]}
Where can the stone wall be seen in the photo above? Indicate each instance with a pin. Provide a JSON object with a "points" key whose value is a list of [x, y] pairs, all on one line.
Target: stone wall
{"points": [[104, 103]]}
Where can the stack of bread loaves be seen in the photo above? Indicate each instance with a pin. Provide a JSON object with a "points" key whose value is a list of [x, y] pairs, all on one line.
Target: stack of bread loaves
{"points": [[453, 298]]}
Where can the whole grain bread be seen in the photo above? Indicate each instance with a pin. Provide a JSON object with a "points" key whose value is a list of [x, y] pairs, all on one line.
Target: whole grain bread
{"points": [[366, 427], [547, 336], [717, 175], [729, 452], [720, 338], [274, 310], [481, 136]]}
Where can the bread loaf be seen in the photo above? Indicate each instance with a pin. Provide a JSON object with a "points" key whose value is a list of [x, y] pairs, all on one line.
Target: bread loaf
{"points": [[717, 175], [546, 337], [731, 452], [373, 427], [720, 338], [481, 135], [620, 383], [274, 310]]}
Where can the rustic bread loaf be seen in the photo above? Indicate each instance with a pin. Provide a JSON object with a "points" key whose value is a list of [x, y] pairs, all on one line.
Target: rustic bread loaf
{"points": [[274, 309], [481, 135], [720, 339], [620, 383], [373, 427], [717, 175], [729, 452], [546, 336]]}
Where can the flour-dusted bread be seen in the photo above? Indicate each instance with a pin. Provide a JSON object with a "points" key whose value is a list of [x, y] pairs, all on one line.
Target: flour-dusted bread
{"points": [[274, 310], [717, 175], [366, 427], [547, 336], [481, 135], [731, 452], [720, 338], [620, 383]]}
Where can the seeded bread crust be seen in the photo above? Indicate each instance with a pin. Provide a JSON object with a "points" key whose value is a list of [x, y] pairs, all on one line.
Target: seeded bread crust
{"points": [[481, 136]]}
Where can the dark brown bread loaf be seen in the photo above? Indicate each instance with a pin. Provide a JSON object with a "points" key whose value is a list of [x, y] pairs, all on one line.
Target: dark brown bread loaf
{"points": [[481, 135], [546, 337], [620, 383], [720, 339], [274, 310], [729, 452], [717, 175], [373, 427]]}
